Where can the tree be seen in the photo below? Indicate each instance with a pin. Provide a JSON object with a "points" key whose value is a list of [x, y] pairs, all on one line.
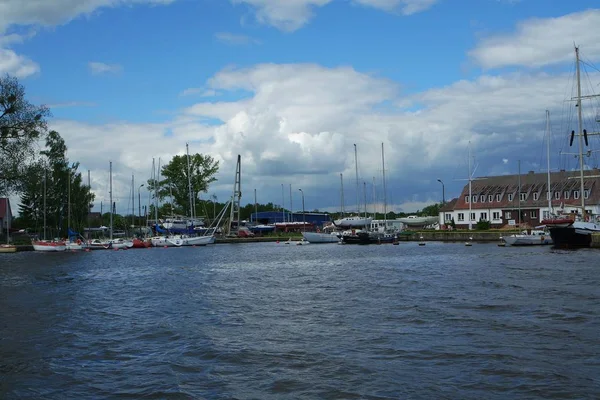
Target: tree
{"points": [[432, 210], [59, 177], [174, 180], [21, 124]]}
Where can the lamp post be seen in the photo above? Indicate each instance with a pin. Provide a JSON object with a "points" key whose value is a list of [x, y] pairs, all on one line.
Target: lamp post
{"points": [[443, 192], [303, 213]]}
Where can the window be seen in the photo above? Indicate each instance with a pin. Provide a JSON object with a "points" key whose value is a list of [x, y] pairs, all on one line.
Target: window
{"points": [[466, 199], [534, 214], [546, 214], [496, 215], [586, 194], [575, 194], [522, 196], [461, 216], [510, 197], [507, 215], [548, 195], [536, 196], [497, 197], [566, 194], [557, 195], [448, 217], [472, 216], [482, 198], [474, 199], [490, 198], [483, 216]]}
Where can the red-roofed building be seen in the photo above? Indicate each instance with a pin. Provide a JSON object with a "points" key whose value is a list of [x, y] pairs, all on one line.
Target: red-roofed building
{"points": [[496, 198], [5, 215]]}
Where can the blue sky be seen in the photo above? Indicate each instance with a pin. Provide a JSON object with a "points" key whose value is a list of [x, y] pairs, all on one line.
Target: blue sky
{"points": [[293, 85]]}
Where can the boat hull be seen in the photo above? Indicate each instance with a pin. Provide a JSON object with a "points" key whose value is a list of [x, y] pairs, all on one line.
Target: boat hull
{"points": [[527, 240], [317, 237], [569, 238], [353, 222], [7, 248], [366, 238], [49, 246]]}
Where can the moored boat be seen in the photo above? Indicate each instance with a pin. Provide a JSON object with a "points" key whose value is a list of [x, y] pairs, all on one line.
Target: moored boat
{"points": [[49, 245], [8, 248], [536, 237]]}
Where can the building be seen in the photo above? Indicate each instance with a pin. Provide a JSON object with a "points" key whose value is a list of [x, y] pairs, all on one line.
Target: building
{"points": [[271, 217], [497, 198], [5, 215]]}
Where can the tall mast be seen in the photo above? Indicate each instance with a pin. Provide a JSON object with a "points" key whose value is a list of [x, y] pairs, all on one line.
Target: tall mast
{"points": [[68, 203], [45, 177], [187, 151], [342, 194], [110, 196], [580, 131], [356, 171], [255, 207], [374, 201], [519, 224], [291, 208], [384, 189], [132, 201], [548, 193], [88, 205], [470, 180], [282, 204], [365, 196]]}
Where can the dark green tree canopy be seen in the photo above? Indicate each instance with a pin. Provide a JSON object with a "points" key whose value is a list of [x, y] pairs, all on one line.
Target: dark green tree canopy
{"points": [[21, 125], [174, 180]]}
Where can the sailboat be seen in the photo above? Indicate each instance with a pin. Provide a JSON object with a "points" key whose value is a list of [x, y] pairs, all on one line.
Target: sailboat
{"points": [[576, 232], [7, 248], [535, 237], [47, 245], [356, 221]]}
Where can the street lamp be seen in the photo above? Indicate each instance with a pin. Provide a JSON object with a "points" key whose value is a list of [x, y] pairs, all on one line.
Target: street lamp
{"points": [[443, 192], [303, 213]]}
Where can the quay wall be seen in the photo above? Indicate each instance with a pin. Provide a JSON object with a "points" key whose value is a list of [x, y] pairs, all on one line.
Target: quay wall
{"points": [[596, 240], [454, 236]]}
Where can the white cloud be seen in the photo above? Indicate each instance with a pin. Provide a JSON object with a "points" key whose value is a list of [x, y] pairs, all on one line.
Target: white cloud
{"points": [[56, 12], [202, 92], [542, 41], [98, 68], [16, 65], [235, 40], [406, 7], [298, 122]]}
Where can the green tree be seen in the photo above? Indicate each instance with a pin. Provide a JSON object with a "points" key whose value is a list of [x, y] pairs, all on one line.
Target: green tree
{"points": [[432, 210], [21, 125], [174, 180], [62, 184]]}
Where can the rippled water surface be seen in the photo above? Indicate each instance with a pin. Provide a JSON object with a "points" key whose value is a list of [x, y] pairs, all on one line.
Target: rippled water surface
{"points": [[275, 321]]}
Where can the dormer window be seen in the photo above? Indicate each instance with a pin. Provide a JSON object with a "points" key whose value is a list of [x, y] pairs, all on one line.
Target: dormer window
{"points": [[510, 197], [474, 199], [536, 196], [482, 198], [490, 198], [575, 194], [566, 194], [557, 195], [523, 196], [466, 199], [497, 197], [586, 193]]}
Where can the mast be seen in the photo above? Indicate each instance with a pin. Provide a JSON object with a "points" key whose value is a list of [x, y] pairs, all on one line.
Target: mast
{"points": [[255, 207], [132, 201], [365, 196], [384, 190], [45, 177], [519, 224], [68, 204], [470, 180], [291, 208], [580, 131], [548, 193], [282, 204], [374, 201], [356, 171], [88, 206], [110, 196], [342, 195], [187, 151]]}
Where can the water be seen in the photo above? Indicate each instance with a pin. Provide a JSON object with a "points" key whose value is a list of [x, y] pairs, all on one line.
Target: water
{"points": [[276, 321]]}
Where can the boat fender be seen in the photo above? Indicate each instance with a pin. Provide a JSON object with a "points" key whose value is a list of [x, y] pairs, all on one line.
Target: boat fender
{"points": [[78, 241]]}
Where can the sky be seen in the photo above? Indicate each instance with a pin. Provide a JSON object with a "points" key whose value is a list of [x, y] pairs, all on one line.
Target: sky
{"points": [[293, 85]]}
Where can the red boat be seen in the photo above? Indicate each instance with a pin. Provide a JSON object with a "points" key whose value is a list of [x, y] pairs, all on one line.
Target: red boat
{"points": [[558, 222], [141, 244]]}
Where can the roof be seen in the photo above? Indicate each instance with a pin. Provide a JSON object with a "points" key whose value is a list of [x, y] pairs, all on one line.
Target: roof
{"points": [[449, 206], [3, 202], [496, 190]]}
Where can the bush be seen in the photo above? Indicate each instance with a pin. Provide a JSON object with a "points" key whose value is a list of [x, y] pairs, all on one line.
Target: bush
{"points": [[483, 225]]}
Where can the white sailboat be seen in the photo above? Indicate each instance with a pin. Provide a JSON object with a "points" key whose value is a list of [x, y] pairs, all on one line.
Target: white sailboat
{"points": [[356, 221], [47, 245], [536, 237], [576, 232]]}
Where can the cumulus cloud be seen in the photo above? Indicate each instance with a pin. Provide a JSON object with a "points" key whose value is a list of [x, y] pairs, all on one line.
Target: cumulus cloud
{"points": [[99, 68], [541, 41], [16, 65], [406, 7]]}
